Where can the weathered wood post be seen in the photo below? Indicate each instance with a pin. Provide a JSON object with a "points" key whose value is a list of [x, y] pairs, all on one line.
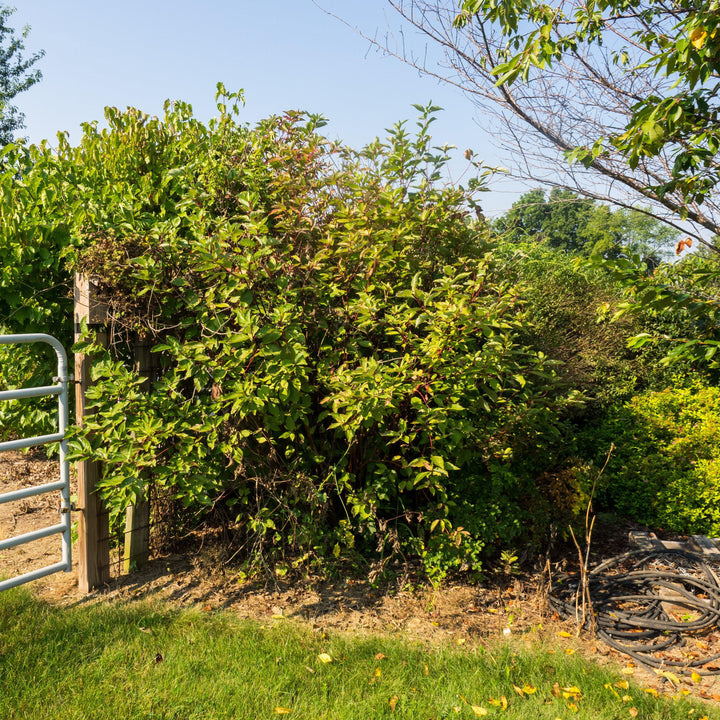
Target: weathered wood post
{"points": [[137, 518], [93, 547]]}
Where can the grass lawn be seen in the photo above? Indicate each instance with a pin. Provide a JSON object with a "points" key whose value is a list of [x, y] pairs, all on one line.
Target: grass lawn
{"points": [[128, 661]]}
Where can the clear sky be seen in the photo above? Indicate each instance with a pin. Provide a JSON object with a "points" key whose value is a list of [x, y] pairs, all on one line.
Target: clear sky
{"points": [[286, 54]]}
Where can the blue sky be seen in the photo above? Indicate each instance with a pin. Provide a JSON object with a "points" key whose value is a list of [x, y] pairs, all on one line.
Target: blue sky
{"points": [[286, 54]]}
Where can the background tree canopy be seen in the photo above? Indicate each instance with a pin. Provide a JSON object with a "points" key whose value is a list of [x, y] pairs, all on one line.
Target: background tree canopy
{"points": [[16, 75], [575, 224]]}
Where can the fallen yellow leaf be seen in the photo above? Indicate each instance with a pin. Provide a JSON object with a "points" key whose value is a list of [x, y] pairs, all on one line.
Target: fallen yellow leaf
{"points": [[626, 698], [564, 634], [324, 657], [628, 670], [377, 672], [282, 711], [570, 651], [393, 702], [518, 690], [479, 711], [573, 707], [633, 712], [502, 703], [460, 641], [672, 677], [572, 690], [609, 687], [427, 670], [529, 689], [622, 684], [380, 656], [651, 691], [696, 677]]}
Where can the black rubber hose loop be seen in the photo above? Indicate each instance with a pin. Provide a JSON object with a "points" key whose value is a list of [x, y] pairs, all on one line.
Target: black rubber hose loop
{"points": [[629, 605]]}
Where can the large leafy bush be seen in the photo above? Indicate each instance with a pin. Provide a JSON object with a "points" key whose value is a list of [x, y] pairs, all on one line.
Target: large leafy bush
{"points": [[337, 350]]}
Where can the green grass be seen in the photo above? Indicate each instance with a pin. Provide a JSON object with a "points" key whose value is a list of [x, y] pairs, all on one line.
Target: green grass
{"points": [[128, 661]]}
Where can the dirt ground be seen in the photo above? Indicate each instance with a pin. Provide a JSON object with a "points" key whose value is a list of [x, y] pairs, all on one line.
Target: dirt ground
{"points": [[502, 608]]}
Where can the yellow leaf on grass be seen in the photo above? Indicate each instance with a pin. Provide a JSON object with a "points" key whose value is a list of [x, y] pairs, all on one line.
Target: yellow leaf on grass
{"points": [[502, 703], [623, 685], [564, 634], [324, 657], [570, 651], [479, 711], [427, 670], [529, 689], [626, 698], [518, 690], [393, 702], [573, 707], [628, 670], [696, 677], [633, 712], [609, 687], [282, 711], [380, 656], [651, 691], [377, 672]]}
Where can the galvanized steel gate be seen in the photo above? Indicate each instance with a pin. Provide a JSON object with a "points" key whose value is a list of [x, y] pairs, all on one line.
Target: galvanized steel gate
{"points": [[63, 485]]}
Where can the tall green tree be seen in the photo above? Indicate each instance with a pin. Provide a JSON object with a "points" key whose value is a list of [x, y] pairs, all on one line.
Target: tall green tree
{"points": [[576, 224], [626, 90], [17, 74]]}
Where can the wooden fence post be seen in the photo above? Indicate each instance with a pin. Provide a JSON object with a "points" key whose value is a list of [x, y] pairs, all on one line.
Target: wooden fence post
{"points": [[93, 529], [137, 518]]}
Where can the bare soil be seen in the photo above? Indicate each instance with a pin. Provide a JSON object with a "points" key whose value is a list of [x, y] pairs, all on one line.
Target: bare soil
{"points": [[502, 608]]}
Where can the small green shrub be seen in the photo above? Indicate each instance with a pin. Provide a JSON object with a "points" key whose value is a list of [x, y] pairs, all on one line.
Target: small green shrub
{"points": [[665, 471]]}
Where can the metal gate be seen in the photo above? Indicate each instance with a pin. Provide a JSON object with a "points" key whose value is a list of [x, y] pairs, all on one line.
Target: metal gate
{"points": [[63, 485]]}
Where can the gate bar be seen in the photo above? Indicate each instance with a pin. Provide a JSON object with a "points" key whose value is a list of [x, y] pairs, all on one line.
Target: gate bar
{"points": [[30, 491], [61, 390], [32, 575], [30, 442], [30, 536]]}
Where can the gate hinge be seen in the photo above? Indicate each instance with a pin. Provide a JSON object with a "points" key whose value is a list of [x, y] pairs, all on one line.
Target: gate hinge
{"points": [[69, 508]]}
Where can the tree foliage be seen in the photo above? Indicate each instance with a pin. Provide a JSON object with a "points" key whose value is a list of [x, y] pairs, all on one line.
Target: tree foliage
{"points": [[575, 224], [625, 91], [17, 74]]}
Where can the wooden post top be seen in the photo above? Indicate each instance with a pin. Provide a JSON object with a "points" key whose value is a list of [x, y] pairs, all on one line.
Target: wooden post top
{"points": [[89, 304]]}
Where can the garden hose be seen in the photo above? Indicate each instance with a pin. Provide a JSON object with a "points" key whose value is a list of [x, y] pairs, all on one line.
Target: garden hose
{"points": [[647, 604]]}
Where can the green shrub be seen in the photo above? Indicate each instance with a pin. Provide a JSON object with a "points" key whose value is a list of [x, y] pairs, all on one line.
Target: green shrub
{"points": [[665, 471], [337, 345], [340, 358]]}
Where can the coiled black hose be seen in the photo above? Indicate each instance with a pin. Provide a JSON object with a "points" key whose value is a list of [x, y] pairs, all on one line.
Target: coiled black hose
{"points": [[646, 604]]}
